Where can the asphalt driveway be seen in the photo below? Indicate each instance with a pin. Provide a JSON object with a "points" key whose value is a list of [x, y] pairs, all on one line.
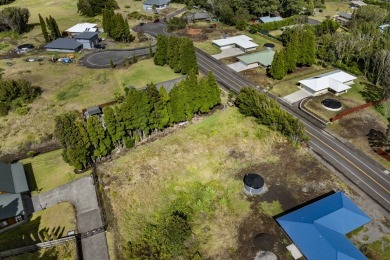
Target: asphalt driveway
{"points": [[81, 193]]}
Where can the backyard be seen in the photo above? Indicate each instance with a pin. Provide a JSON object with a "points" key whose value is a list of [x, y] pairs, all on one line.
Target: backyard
{"points": [[50, 223], [201, 168]]}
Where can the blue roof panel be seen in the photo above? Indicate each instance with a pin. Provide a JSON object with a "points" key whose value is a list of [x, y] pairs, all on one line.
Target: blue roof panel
{"points": [[319, 228]]}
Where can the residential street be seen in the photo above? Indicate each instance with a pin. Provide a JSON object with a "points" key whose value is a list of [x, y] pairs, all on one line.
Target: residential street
{"points": [[81, 193]]}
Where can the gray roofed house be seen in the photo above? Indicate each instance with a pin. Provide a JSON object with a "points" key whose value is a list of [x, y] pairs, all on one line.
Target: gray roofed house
{"points": [[201, 16], [168, 85], [88, 39], [343, 18], [12, 178], [91, 111], [11, 205], [159, 4], [64, 45]]}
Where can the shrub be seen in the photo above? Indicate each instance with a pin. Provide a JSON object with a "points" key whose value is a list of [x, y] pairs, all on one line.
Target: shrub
{"points": [[4, 108], [22, 111], [31, 154], [129, 142], [127, 6]]}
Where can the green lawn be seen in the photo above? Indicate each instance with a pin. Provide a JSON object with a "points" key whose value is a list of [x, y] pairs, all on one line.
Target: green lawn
{"points": [[48, 171], [144, 72], [51, 223], [66, 251], [208, 47]]}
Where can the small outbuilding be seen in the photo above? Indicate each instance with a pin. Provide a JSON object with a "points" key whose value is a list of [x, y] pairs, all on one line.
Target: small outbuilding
{"points": [[253, 183], [92, 111], [384, 27], [88, 39], [64, 45], [343, 18]]}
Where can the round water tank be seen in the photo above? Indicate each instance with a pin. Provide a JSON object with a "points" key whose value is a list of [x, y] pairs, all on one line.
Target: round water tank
{"points": [[253, 183]]}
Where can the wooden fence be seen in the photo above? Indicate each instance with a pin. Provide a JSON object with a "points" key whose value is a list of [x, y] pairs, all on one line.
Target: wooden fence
{"points": [[352, 110], [383, 154], [31, 248]]}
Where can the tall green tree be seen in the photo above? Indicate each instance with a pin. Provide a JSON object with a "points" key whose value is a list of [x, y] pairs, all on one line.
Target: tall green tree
{"points": [[278, 67], [15, 19], [98, 137], [44, 28], [160, 57], [178, 102], [188, 61]]}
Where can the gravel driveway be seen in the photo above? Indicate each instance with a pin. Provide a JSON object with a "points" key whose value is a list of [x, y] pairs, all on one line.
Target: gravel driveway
{"points": [[81, 193]]}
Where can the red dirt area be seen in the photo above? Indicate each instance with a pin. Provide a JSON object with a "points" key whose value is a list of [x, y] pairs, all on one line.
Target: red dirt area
{"points": [[194, 31], [258, 76]]}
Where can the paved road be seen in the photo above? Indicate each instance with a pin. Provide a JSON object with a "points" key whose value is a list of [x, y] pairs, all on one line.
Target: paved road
{"points": [[361, 170], [81, 193]]}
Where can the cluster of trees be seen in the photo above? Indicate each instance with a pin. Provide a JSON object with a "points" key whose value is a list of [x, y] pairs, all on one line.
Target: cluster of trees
{"points": [[14, 19], [176, 23], [92, 8], [300, 51], [15, 94], [5, 2], [50, 24], [168, 238], [116, 26], [178, 53], [251, 102], [142, 113], [362, 50]]}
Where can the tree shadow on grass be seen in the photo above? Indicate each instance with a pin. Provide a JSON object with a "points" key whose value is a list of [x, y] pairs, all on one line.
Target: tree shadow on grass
{"points": [[375, 138], [372, 93]]}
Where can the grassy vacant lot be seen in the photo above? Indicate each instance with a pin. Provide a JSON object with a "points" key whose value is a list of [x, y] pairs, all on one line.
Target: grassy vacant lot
{"points": [[48, 171], [288, 85], [333, 7], [53, 222], [66, 251], [67, 87], [205, 163]]}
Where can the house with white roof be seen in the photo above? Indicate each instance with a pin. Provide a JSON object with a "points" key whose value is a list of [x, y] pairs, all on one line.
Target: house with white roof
{"points": [[159, 4], [82, 27], [357, 4], [241, 41], [336, 82]]}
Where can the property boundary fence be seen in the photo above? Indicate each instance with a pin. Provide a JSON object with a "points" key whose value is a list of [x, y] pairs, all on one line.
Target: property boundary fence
{"points": [[352, 110], [31, 248], [383, 154]]}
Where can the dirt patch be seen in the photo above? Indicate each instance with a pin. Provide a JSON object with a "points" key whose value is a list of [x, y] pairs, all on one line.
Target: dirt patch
{"points": [[194, 31], [258, 76], [229, 60]]}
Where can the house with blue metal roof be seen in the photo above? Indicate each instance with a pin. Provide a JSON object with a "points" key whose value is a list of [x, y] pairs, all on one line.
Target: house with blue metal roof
{"points": [[269, 19], [319, 229]]}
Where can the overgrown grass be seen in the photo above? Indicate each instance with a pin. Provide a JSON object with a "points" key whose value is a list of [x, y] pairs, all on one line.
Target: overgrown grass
{"points": [[48, 171], [66, 251], [51, 223], [191, 170], [270, 208], [379, 250]]}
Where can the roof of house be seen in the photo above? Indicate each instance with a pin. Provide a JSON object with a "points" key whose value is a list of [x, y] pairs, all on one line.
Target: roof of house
{"points": [[64, 43], [86, 35], [12, 178], [345, 15], [95, 110], [265, 57], [269, 19], [358, 3], [11, 205], [83, 27], [201, 15], [242, 41], [156, 2], [334, 80], [168, 85], [319, 229]]}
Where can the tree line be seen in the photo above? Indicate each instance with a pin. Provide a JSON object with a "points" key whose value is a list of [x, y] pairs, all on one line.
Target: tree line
{"points": [[300, 51], [178, 53], [251, 102], [15, 94], [50, 24], [92, 8], [116, 26], [142, 113]]}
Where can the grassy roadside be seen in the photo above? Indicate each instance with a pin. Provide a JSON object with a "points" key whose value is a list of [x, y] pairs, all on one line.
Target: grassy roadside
{"points": [[53, 222], [48, 171], [65, 251]]}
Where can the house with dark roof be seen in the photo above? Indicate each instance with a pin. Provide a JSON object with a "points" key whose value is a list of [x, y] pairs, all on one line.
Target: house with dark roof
{"points": [[159, 4], [13, 184], [64, 45], [92, 111], [197, 16], [343, 18], [88, 39], [319, 229]]}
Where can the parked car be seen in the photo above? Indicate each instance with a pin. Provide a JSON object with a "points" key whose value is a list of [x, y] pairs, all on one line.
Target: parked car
{"points": [[99, 46], [141, 24], [156, 21]]}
